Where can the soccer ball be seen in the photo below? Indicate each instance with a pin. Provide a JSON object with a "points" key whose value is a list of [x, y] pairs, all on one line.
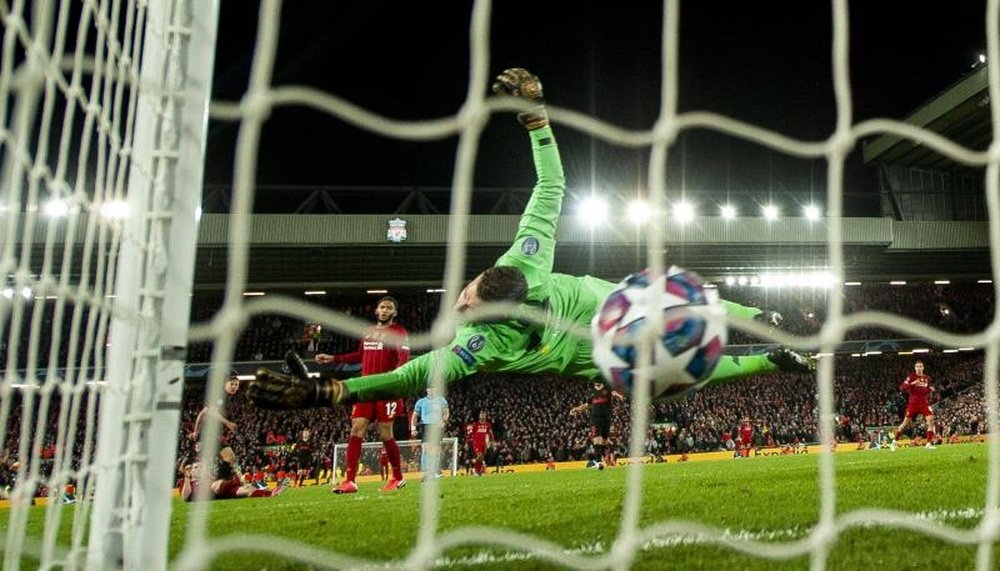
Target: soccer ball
{"points": [[687, 343]]}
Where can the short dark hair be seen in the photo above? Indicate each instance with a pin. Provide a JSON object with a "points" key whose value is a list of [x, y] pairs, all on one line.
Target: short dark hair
{"points": [[388, 298], [503, 283]]}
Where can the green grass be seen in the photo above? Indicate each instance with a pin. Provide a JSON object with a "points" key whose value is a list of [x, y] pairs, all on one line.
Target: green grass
{"points": [[770, 499]]}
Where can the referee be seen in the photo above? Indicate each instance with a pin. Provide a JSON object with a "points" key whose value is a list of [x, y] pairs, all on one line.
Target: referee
{"points": [[429, 411]]}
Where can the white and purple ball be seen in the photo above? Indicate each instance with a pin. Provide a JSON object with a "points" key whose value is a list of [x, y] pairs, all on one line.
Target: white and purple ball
{"points": [[687, 345]]}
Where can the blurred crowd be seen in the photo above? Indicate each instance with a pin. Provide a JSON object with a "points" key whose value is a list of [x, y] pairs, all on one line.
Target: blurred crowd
{"points": [[958, 308], [530, 414], [532, 421]]}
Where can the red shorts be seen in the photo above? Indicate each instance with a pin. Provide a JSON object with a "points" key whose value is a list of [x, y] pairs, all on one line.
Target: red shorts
{"points": [[479, 447], [921, 408], [379, 411], [228, 488]]}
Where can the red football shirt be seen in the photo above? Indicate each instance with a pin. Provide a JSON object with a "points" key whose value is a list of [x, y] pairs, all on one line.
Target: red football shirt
{"points": [[375, 353], [480, 430], [919, 386]]}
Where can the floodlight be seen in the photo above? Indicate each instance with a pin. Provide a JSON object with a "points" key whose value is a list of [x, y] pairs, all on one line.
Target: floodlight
{"points": [[593, 210], [638, 212], [683, 212]]}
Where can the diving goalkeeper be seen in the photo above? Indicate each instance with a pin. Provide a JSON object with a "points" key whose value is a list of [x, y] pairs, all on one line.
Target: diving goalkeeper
{"points": [[522, 275]]}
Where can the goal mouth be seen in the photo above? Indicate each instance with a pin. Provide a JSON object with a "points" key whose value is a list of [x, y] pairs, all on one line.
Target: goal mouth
{"points": [[104, 110]]}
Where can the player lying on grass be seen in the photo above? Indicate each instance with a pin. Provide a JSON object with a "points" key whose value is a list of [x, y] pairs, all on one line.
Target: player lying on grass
{"points": [[226, 484], [523, 275]]}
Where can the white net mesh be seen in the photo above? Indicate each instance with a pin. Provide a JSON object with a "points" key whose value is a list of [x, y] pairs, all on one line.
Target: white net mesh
{"points": [[67, 112], [67, 135], [92, 107]]}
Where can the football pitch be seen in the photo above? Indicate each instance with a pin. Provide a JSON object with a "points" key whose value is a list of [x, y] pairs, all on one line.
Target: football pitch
{"points": [[758, 500]]}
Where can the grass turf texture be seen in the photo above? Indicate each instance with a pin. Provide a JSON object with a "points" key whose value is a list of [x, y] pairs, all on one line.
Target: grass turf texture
{"points": [[770, 499]]}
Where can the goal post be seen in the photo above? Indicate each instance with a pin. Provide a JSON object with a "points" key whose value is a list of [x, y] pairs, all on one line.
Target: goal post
{"points": [[140, 410], [409, 452]]}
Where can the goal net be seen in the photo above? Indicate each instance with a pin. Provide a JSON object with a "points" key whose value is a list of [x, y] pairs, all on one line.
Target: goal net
{"points": [[413, 457], [103, 106]]}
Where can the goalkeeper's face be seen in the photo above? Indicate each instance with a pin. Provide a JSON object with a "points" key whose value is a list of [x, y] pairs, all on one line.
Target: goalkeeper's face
{"points": [[469, 298]]}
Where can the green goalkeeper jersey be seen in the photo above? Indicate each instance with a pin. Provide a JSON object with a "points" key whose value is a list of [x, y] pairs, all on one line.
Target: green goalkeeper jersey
{"points": [[513, 345], [529, 347]]}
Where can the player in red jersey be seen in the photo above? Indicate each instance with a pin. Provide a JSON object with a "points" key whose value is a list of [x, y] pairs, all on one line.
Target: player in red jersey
{"points": [[469, 452], [918, 385], [482, 436], [377, 354], [746, 437]]}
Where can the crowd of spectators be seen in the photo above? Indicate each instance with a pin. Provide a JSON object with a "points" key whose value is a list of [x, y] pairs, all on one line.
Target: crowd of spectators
{"points": [[532, 422], [957, 308], [960, 307], [531, 414]]}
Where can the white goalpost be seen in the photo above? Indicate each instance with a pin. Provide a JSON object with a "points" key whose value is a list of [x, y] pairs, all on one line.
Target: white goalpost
{"points": [[104, 108]]}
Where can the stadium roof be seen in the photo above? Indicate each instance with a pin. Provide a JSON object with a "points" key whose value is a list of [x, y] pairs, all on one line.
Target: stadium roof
{"points": [[353, 250], [350, 251], [960, 113]]}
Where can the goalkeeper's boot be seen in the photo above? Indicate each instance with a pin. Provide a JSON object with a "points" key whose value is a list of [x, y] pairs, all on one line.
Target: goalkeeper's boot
{"points": [[792, 362], [346, 487], [296, 365], [393, 485]]}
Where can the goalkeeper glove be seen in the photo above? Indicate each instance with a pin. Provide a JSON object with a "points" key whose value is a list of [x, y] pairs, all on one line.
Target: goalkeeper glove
{"points": [[279, 391], [521, 83]]}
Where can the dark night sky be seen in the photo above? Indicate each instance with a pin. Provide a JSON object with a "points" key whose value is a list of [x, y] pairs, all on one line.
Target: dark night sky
{"points": [[768, 63]]}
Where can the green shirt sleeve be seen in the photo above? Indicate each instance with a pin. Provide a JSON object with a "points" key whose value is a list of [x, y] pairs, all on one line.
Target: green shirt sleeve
{"points": [[485, 347], [533, 251], [475, 348]]}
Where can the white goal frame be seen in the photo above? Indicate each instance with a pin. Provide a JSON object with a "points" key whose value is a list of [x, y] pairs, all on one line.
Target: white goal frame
{"points": [[138, 80], [140, 411]]}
